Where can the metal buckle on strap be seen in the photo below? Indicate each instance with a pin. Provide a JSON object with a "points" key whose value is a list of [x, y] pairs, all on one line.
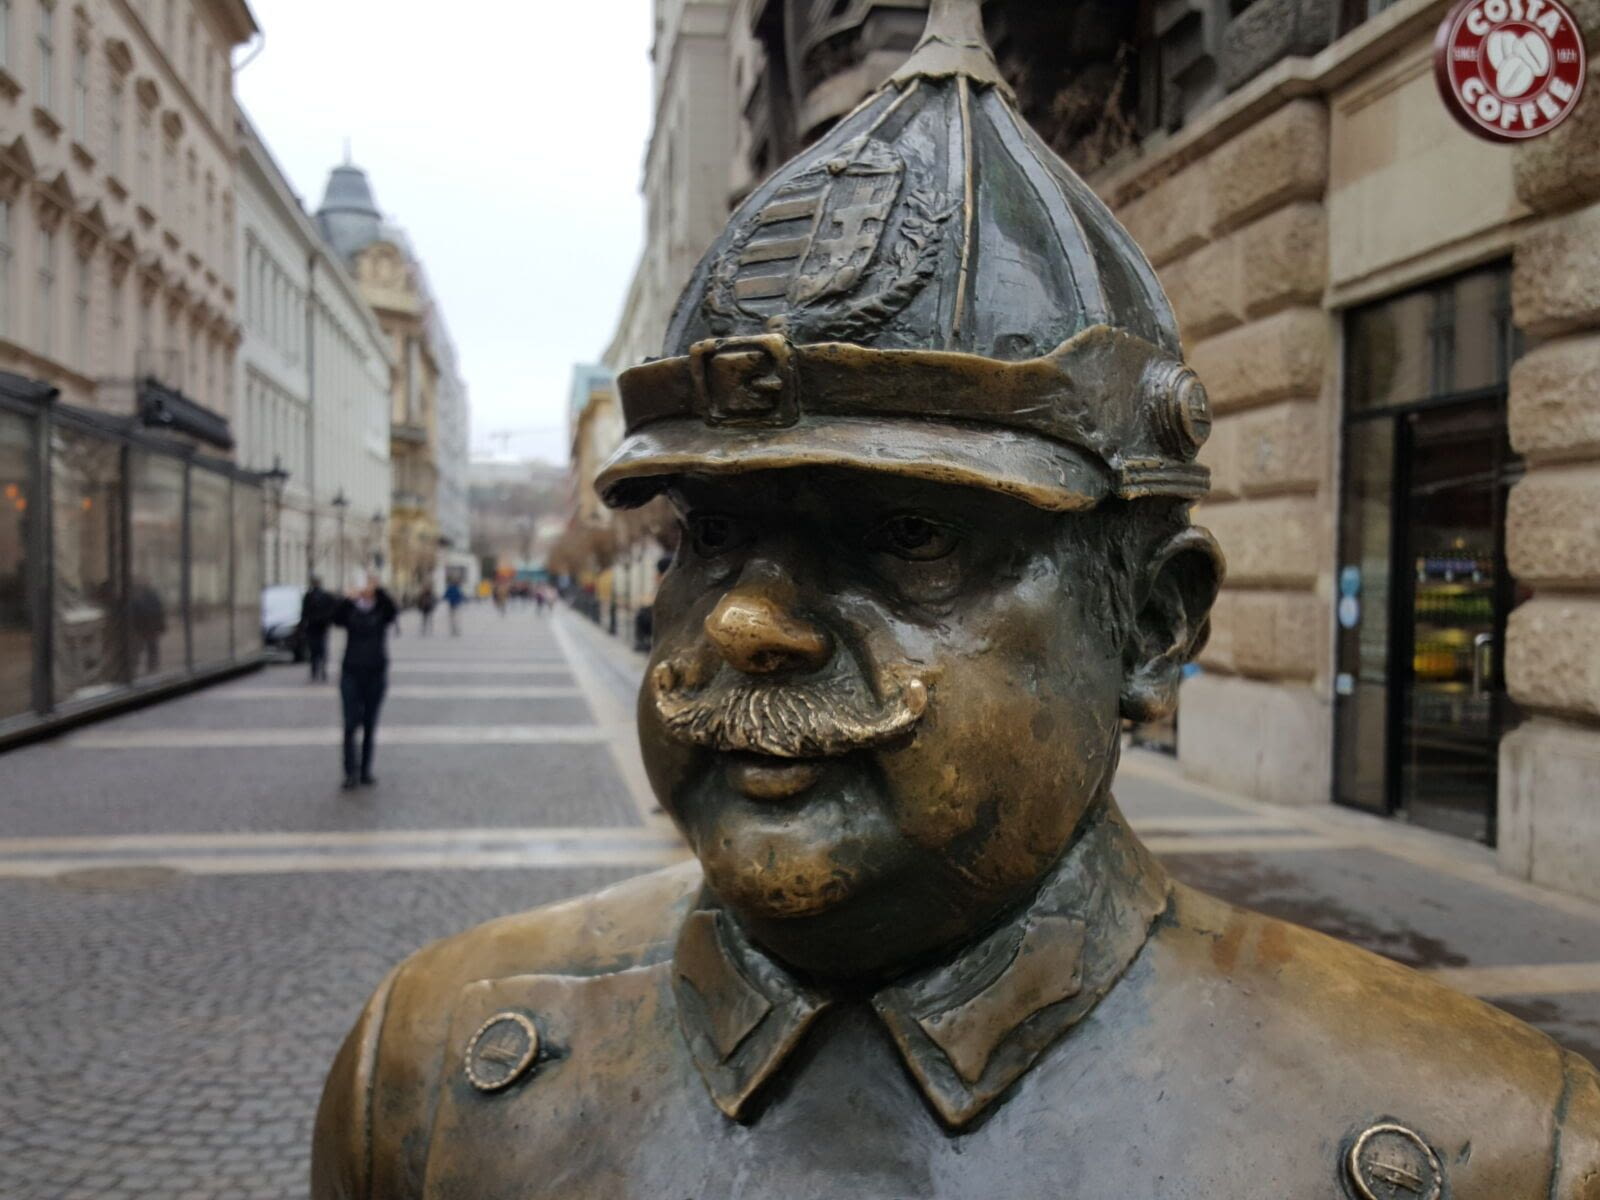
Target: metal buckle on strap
{"points": [[745, 381]]}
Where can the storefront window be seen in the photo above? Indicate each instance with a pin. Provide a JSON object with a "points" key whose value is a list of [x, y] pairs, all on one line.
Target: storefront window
{"points": [[1424, 591], [247, 570], [155, 583], [210, 567], [16, 600], [1391, 342], [86, 521]]}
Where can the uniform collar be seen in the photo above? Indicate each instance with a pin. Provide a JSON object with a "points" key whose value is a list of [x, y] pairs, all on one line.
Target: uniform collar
{"points": [[967, 1027]]}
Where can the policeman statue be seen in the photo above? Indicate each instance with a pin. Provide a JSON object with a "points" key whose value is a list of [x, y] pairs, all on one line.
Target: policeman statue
{"points": [[925, 420]]}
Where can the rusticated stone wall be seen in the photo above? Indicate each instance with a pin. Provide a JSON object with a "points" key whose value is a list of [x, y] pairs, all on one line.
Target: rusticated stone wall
{"points": [[1550, 765], [1240, 241]]}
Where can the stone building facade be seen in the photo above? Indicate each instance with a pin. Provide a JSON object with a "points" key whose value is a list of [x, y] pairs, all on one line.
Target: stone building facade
{"points": [[455, 521], [685, 190], [313, 375], [1390, 315], [1399, 326], [117, 209], [427, 397], [685, 168]]}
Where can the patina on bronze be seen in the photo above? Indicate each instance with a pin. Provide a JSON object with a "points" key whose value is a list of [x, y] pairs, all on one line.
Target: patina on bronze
{"points": [[925, 420]]}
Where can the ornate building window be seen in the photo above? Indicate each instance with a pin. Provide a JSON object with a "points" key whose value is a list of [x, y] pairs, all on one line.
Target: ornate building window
{"points": [[114, 101], [118, 351], [1354, 12], [5, 267], [45, 301], [146, 303], [143, 185], [80, 315], [169, 178], [80, 93], [192, 196], [47, 53]]}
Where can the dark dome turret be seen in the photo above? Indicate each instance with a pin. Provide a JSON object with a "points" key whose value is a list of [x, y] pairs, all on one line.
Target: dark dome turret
{"points": [[348, 215]]}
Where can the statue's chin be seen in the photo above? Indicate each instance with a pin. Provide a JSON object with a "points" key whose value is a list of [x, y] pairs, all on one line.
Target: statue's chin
{"points": [[765, 881]]}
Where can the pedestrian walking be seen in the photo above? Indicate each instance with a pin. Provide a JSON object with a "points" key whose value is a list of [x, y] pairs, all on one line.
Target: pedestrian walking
{"points": [[147, 621], [426, 603], [500, 594], [454, 598], [365, 615], [316, 614]]}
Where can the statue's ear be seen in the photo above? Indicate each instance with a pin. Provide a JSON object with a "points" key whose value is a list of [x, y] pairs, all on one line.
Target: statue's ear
{"points": [[1174, 597]]}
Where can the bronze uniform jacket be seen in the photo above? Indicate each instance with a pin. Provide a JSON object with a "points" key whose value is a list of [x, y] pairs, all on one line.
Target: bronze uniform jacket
{"points": [[1125, 1037]]}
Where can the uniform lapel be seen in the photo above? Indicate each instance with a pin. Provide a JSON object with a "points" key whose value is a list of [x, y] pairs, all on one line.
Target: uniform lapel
{"points": [[971, 1027], [741, 1013]]}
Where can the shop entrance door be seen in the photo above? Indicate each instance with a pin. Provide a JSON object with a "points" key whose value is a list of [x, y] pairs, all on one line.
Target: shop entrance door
{"points": [[1423, 590]]}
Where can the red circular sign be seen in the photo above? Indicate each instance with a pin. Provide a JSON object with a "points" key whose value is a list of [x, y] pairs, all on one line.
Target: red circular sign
{"points": [[1510, 69]]}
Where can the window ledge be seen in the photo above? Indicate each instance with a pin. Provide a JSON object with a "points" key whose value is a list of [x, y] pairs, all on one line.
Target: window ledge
{"points": [[146, 217], [83, 155], [10, 85], [47, 122], [116, 187]]}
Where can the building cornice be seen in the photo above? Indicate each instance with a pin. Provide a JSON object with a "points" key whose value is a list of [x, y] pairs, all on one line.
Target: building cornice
{"points": [[236, 18]]}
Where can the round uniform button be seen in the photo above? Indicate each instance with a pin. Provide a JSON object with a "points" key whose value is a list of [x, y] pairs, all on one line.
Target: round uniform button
{"points": [[501, 1051], [1390, 1162]]}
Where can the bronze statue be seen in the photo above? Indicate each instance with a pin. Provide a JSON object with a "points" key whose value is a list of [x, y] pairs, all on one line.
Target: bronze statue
{"points": [[928, 428]]}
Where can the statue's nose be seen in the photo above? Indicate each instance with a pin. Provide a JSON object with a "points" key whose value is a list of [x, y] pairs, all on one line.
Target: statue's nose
{"points": [[757, 632]]}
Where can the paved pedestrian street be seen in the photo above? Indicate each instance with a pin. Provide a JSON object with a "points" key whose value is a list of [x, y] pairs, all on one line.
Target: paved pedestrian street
{"points": [[194, 911]]}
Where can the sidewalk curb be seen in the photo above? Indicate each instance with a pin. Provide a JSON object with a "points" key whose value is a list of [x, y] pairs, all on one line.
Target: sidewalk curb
{"points": [[1347, 828]]}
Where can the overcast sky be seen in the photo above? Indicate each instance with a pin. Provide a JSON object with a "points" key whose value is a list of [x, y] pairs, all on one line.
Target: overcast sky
{"points": [[507, 138]]}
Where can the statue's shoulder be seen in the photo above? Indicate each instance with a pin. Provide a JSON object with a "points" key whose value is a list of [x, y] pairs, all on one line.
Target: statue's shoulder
{"points": [[619, 927], [1339, 1030], [377, 1103]]}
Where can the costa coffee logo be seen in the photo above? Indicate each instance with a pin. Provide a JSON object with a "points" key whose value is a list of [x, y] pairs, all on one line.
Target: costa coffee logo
{"points": [[1510, 69]]}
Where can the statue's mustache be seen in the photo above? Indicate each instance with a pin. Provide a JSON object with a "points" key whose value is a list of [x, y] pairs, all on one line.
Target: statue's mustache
{"points": [[813, 718]]}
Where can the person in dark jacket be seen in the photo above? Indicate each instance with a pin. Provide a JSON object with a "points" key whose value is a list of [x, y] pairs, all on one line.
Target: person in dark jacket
{"points": [[455, 598], [365, 615], [316, 614], [426, 603]]}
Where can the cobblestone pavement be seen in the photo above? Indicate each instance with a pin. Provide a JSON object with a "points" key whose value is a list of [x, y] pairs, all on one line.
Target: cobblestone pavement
{"points": [[204, 921], [194, 912]]}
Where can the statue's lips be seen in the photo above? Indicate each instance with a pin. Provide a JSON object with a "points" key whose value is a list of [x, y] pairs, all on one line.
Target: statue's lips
{"points": [[763, 777]]}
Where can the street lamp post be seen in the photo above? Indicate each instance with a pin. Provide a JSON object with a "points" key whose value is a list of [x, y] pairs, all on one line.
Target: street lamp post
{"points": [[340, 502], [275, 480]]}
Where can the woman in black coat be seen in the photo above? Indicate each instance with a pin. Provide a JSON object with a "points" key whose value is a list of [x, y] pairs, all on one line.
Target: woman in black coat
{"points": [[365, 615]]}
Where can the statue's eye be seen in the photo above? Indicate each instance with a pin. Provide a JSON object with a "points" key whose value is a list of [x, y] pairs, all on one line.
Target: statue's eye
{"points": [[712, 534], [914, 538]]}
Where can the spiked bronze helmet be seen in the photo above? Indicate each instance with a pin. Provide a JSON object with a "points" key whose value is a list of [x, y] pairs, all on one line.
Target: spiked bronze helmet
{"points": [[929, 290]]}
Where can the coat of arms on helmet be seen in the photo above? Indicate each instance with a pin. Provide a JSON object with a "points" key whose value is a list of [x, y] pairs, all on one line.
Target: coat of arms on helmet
{"points": [[818, 237]]}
